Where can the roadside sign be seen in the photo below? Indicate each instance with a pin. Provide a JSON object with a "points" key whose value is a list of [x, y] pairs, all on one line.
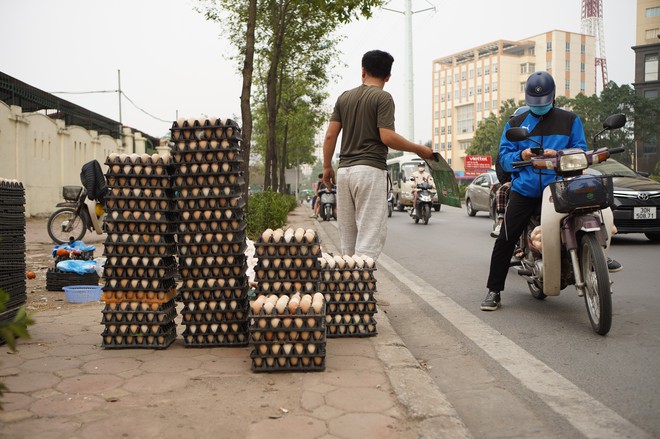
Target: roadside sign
{"points": [[477, 164]]}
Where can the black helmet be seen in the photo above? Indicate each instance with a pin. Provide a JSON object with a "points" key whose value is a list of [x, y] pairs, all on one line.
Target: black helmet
{"points": [[539, 89]]}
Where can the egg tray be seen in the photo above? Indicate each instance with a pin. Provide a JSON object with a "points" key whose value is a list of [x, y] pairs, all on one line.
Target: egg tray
{"points": [[205, 226], [215, 165], [210, 238], [220, 306], [141, 205], [348, 287], [155, 250], [216, 294], [226, 214], [129, 193], [138, 342], [137, 170], [147, 239], [147, 297], [136, 329], [279, 287], [215, 340], [17, 298], [14, 265], [214, 123], [341, 308], [204, 283], [163, 228], [182, 145], [56, 279], [194, 156], [307, 321], [287, 262], [288, 251], [206, 180], [149, 317], [145, 182], [141, 217], [198, 134], [212, 266], [348, 275], [291, 275], [132, 284], [194, 328], [206, 203], [339, 331], [219, 192], [213, 317], [145, 262], [185, 251], [288, 363], [140, 271], [140, 306]]}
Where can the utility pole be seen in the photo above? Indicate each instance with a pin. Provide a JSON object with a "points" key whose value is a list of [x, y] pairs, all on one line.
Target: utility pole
{"points": [[408, 13], [119, 90]]}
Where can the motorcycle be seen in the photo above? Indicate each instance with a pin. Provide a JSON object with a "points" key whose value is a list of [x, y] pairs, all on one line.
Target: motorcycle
{"points": [[422, 211], [566, 244], [328, 199], [82, 209]]}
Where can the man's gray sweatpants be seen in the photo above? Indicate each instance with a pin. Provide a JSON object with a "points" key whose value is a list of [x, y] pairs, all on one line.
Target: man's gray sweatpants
{"points": [[362, 210]]}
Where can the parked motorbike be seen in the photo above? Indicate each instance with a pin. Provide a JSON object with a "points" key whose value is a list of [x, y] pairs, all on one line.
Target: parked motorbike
{"points": [[422, 210], [566, 244], [328, 199], [82, 209]]}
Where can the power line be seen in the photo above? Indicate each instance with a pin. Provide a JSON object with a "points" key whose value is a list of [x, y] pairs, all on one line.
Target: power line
{"points": [[144, 111]]}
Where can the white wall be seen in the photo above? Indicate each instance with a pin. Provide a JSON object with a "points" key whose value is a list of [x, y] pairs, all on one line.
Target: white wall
{"points": [[45, 154]]}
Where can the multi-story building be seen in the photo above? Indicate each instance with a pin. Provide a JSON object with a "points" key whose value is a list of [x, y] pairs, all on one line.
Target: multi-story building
{"points": [[470, 85], [647, 81]]}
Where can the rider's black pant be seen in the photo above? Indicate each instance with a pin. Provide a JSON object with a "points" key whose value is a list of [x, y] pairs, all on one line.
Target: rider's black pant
{"points": [[518, 212]]}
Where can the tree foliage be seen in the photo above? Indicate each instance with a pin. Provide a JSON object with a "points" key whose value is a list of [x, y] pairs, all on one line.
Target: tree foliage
{"points": [[486, 140], [294, 48]]}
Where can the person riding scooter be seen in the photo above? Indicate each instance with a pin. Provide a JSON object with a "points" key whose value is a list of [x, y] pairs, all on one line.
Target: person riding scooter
{"points": [[417, 177]]}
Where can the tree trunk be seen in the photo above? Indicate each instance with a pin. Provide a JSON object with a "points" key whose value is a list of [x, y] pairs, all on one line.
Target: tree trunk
{"points": [[246, 111], [284, 160]]}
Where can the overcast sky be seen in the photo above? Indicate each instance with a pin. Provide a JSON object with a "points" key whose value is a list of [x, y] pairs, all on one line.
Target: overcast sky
{"points": [[171, 59]]}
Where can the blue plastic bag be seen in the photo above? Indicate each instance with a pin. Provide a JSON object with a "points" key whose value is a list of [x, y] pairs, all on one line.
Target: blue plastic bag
{"points": [[77, 266]]}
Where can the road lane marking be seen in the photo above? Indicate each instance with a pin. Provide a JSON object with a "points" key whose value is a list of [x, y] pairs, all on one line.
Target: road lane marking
{"points": [[589, 416]]}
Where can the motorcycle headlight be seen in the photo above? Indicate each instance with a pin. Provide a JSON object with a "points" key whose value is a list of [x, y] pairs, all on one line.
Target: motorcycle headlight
{"points": [[573, 160]]}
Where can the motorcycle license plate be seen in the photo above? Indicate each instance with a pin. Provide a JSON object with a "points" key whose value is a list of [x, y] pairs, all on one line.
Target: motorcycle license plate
{"points": [[644, 213]]}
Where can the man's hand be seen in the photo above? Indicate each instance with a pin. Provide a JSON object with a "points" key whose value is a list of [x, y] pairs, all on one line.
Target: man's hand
{"points": [[549, 153], [328, 177], [425, 152]]}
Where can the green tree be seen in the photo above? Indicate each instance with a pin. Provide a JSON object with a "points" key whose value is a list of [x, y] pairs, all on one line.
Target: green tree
{"points": [[486, 140]]}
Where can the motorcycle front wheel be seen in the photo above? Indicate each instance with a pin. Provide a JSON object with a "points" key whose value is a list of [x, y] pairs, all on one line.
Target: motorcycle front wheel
{"points": [[64, 225], [597, 295], [426, 213]]}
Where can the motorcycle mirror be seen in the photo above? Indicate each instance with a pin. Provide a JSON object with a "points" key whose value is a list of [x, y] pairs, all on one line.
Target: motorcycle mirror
{"points": [[614, 121], [517, 134]]}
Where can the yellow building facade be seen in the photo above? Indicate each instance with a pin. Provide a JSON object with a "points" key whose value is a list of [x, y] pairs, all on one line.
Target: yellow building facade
{"points": [[470, 85]]}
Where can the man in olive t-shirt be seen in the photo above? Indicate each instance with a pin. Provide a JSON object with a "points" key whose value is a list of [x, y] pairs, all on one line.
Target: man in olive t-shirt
{"points": [[365, 117]]}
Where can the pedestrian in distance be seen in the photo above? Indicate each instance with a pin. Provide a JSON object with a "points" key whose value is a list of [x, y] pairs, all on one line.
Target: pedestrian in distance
{"points": [[315, 200], [365, 117]]}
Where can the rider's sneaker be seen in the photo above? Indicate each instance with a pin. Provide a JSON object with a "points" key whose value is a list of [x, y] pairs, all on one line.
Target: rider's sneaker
{"points": [[491, 302], [413, 212], [496, 231], [613, 266]]}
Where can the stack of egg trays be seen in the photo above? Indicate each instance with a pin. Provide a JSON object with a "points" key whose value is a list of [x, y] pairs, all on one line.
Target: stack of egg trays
{"points": [[211, 237], [287, 267], [350, 301], [12, 247], [140, 247], [303, 335]]}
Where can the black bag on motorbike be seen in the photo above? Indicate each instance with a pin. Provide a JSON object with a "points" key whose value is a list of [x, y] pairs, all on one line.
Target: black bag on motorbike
{"points": [[93, 180]]}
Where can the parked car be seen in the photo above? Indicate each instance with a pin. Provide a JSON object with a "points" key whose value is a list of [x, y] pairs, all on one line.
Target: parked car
{"points": [[636, 199], [480, 194]]}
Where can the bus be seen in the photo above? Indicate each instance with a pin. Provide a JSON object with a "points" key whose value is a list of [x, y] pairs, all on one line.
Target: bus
{"points": [[400, 170]]}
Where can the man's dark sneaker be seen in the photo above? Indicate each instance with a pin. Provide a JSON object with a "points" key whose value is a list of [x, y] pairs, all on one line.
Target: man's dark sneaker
{"points": [[491, 302], [613, 266]]}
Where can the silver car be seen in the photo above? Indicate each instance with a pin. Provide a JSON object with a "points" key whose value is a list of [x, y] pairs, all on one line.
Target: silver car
{"points": [[480, 194]]}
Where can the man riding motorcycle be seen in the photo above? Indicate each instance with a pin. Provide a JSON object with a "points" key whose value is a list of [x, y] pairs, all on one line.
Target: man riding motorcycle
{"points": [[417, 177]]}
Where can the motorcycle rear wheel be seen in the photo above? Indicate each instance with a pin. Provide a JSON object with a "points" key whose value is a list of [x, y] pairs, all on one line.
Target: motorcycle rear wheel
{"points": [[597, 294], [65, 224]]}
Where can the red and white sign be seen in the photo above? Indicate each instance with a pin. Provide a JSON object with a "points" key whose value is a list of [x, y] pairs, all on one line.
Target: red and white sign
{"points": [[477, 164]]}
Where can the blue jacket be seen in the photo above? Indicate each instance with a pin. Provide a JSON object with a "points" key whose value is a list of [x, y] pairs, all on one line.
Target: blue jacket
{"points": [[558, 129]]}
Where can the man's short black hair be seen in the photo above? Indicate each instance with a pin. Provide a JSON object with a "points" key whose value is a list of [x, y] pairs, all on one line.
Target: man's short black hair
{"points": [[321, 175], [378, 63]]}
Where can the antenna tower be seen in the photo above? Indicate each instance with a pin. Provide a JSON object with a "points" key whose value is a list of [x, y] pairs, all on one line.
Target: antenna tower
{"points": [[592, 24]]}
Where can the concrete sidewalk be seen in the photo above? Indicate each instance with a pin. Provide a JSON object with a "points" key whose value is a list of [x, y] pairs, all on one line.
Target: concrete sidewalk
{"points": [[62, 384]]}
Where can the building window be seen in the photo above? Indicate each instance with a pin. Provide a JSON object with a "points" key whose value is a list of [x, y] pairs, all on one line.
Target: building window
{"points": [[465, 145], [471, 73], [449, 96], [435, 131], [494, 67], [531, 51], [442, 130], [448, 129], [548, 65], [463, 76], [465, 119], [487, 88], [494, 86], [456, 77], [650, 148], [471, 91], [523, 68], [442, 145], [568, 46], [651, 94], [479, 72], [652, 34], [582, 67], [448, 146], [478, 106], [582, 87], [479, 90], [583, 49], [653, 12], [651, 67], [567, 85], [463, 93], [486, 70], [487, 106], [548, 46], [568, 65]]}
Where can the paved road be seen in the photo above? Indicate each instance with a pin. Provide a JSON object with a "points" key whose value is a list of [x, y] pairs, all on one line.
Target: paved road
{"points": [[531, 339]]}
